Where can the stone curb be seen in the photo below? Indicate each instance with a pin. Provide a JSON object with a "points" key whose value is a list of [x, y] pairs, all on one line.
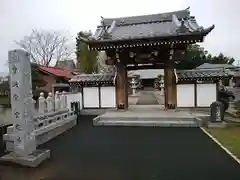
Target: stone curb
{"points": [[147, 124], [153, 122]]}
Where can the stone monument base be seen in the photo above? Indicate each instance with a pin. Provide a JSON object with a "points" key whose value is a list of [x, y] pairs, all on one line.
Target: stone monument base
{"points": [[32, 160], [217, 125]]}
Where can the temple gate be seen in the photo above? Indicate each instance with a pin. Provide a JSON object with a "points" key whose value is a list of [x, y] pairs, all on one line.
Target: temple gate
{"points": [[156, 41]]}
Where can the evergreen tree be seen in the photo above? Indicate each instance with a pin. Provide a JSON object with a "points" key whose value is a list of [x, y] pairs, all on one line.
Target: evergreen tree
{"points": [[197, 55], [37, 80], [86, 59]]}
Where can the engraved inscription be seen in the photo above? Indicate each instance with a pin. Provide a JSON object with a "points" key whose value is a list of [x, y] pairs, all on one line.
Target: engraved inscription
{"points": [[14, 69], [18, 127], [25, 112], [218, 114], [17, 114], [26, 73], [19, 139], [15, 97], [15, 84], [14, 57]]}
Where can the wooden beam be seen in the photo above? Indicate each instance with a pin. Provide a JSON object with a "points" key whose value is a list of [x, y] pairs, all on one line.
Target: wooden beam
{"points": [[153, 66], [122, 87], [121, 84], [170, 82]]}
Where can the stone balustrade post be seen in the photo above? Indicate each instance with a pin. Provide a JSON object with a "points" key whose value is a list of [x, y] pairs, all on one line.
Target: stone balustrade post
{"points": [[64, 100], [57, 101], [41, 103], [50, 102]]}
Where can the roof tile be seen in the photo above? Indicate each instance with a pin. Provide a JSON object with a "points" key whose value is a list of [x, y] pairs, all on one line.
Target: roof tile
{"points": [[57, 71], [92, 78], [156, 25], [206, 73]]}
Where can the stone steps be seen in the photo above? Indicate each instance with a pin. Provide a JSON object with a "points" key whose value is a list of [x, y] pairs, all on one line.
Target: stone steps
{"points": [[148, 121]]}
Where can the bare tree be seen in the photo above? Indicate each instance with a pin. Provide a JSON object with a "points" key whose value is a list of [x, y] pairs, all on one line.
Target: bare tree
{"points": [[45, 46]]}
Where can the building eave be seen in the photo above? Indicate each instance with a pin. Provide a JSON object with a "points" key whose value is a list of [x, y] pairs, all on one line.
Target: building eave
{"points": [[189, 38]]}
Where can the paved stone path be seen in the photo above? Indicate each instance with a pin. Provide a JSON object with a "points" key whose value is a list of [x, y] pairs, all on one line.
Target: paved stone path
{"points": [[147, 98], [143, 153]]}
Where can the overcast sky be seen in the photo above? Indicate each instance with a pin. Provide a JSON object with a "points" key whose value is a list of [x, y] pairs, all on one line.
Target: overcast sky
{"points": [[19, 17]]}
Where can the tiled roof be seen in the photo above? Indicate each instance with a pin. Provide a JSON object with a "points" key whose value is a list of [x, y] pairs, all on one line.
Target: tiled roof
{"points": [[203, 74], [182, 14], [215, 66], [160, 26], [92, 79], [56, 71]]}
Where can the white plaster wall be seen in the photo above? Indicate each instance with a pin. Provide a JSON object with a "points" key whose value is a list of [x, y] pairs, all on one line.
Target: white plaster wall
{"points": [[108, 97], [91, 97], [73, 97], [206, 94], [185, 95]]}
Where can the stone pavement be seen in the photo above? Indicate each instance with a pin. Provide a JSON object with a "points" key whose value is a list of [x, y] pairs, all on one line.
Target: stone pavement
{"points": [[159, 97], [147, 98], [151, 115]]}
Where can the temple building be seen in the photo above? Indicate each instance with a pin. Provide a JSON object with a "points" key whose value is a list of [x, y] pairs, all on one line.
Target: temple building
{"points": [[156, 41]]}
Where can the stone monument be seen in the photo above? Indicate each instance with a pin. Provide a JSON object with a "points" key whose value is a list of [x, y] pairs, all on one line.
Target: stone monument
{"points": [[25, 152]]}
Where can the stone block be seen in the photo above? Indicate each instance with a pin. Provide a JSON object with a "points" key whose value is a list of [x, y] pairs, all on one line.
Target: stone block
{"points": [[9, 146], [31, 160], [9, 129], [217, 125], [8, 137]]}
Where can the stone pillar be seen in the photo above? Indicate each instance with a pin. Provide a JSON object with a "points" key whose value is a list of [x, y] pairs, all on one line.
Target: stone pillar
{"points": [[22, 104], [21, 101], [122, 87]]}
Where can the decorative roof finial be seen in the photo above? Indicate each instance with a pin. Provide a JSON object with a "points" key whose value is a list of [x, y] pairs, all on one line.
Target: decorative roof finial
{"points": [[104, 28], [188, 10]]}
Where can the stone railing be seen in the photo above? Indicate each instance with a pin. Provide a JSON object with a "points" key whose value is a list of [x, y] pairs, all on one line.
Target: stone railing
{"points": [[52, 117]]}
